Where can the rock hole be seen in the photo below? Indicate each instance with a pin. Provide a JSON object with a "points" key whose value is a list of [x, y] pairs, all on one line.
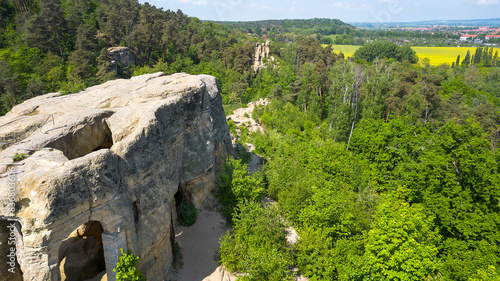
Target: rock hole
{"points": [[92, 136], [23, 204], [179, 197], [81, 255], [137, 212]]}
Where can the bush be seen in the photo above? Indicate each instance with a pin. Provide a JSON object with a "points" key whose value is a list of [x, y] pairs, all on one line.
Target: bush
{"points": [[19, 157], [188, 214], [126, 268], [235, 186], [243, 154], [177, 263], [72, 87], [257, 246]]}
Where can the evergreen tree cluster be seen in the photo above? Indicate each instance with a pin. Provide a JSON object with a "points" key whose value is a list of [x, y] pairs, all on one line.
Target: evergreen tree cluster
{"points": [[60, 45], [484, 56]]}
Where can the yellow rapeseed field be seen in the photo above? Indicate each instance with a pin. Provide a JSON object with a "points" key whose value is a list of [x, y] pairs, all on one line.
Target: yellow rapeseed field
{"points": [[436, 55], [440, 55]]}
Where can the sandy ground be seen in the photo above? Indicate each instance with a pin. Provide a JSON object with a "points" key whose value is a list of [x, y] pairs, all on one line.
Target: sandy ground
{"points": [[200, 242], [199, 245]]}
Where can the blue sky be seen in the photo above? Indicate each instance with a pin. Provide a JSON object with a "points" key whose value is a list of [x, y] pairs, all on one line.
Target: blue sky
{"points": [[345, 10]]}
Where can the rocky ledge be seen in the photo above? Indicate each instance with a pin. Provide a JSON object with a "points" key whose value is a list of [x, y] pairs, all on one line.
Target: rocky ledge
{"points": [[107, 168]]}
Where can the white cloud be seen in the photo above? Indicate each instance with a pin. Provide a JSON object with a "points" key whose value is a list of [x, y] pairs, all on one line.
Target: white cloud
{"points": [[366, 7], [198, 3], [487, 2], [342, 4]]}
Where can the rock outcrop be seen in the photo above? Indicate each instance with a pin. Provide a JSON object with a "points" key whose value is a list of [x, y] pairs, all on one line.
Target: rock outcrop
{"points": [[261, 55], [103, 171], [122, 57], [262, 58], [243, 116]]}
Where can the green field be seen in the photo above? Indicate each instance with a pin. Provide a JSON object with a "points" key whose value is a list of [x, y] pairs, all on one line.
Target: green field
{"points": [[436, 55], [348, 50]]}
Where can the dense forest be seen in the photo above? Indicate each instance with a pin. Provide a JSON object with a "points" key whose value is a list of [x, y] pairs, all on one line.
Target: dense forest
{"points": [[386, 168], [54, 45], [291, 30], [391, 173]]}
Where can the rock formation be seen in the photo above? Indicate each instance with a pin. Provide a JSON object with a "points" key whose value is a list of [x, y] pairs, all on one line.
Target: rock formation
{"points": [[105, 169], [262, 56], [261, 53], [122, 57], [239, 116]]}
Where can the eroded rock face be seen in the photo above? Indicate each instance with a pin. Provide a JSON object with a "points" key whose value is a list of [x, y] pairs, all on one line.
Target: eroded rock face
{"points": [[122, 55], [114, 154], [262, 56]]}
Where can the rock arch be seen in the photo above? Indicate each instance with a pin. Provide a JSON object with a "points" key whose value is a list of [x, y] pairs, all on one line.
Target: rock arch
{"points": [[81, 255]]}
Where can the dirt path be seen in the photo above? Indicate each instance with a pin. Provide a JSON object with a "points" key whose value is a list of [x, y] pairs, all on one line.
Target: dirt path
{"points": [[199, 243]]}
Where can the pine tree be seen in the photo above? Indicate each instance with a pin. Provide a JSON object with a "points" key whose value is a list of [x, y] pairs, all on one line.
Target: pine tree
{"points": [[457, 63], [466, 62], [83, 58], [47, 31], [477, 56], [104, 67]]}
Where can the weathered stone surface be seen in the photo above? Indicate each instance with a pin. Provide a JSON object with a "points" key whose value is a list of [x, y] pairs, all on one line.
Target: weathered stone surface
{"points": [[262, 55], [122, 55], [239, 116], [116, 154], [122, 59]]}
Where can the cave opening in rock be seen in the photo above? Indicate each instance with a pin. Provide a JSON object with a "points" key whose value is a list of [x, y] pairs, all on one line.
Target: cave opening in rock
{"points": [[179, 196], [136, 210], [84, 139], [81, 255]]}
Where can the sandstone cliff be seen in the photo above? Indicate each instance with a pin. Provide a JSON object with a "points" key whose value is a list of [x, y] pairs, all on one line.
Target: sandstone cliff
{"points": [[122, 57], [107, 169], [262, 57]]}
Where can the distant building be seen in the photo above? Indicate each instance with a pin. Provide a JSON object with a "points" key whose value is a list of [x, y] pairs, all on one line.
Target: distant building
{"points": [[488, 37], [466, 37]]}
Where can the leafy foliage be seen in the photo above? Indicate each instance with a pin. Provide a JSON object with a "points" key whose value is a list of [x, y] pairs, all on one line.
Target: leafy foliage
{"points": [[402, 244], [126, 268], [19, 157], [387, 169], [188, 214], [257, 245], [370, 51], [236, 186]]}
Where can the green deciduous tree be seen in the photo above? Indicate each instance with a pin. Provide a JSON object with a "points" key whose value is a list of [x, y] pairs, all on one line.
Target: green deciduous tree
{"points": [[257, 245], [236, 186], [380, 49], [402, 244]]}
